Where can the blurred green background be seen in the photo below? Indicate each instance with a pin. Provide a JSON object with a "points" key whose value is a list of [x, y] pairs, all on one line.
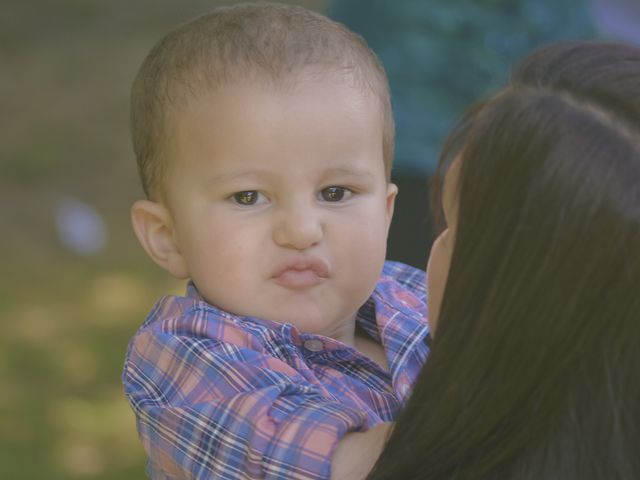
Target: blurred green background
{"points": [[69, 302]]}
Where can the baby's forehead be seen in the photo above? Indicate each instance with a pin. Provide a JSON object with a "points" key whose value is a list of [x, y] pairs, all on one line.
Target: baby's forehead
{"points": [[227, 103], [249, 125], [286, 89]]}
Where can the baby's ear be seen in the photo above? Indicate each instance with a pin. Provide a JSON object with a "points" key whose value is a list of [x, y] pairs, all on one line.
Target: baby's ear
{"points": [[153, 226]]}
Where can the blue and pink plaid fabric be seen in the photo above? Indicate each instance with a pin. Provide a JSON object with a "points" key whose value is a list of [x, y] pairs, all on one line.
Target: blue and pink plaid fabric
{"points": [[227, 397]]}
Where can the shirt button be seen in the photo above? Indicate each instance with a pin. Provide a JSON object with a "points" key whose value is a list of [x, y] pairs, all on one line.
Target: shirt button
{"points": [[314, 345], [404, 389]]}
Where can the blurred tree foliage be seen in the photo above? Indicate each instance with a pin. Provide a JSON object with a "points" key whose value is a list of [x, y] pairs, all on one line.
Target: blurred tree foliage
{"points": [[441, 55]]}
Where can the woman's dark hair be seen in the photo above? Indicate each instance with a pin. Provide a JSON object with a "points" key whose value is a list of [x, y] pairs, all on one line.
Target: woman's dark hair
{"points": [[535, 369]]}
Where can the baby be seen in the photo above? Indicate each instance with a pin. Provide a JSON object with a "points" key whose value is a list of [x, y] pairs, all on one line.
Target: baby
{"points": [[264, 140]]}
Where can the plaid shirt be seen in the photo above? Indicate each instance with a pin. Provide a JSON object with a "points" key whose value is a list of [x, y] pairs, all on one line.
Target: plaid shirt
{"points": [[227, 397]]}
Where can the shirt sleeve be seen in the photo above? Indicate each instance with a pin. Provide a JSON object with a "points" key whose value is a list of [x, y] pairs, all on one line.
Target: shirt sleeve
{"points": [[208, 409], [414, 279]]}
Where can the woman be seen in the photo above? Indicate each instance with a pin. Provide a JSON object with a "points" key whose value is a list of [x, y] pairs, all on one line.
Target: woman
{"points": [[534, 287]]}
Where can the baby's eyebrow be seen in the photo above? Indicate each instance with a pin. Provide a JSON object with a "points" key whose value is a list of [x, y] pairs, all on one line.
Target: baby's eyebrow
{"points": [[255, 174], [240, 174], [348, 171]]}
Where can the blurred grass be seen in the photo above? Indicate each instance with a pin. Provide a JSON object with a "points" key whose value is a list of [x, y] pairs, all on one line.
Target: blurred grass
{"points": [[65, 320]]}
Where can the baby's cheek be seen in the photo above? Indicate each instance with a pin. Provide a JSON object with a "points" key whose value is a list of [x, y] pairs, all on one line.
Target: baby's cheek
{"points": [[365, 246]]}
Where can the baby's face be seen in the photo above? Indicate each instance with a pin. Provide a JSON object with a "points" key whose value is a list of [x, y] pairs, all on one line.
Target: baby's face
{"points": [[279, 200]]}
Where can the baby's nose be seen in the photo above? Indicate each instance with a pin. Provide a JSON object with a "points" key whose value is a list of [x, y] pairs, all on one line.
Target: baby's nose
{"points": [[298, 228]]}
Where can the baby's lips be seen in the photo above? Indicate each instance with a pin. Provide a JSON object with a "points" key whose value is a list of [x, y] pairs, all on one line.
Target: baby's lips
{"points": [[301, 264], [293, 278]]}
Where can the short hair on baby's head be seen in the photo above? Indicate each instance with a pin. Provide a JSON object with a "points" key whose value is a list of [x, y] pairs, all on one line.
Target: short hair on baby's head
{"points": [[270, 41]]}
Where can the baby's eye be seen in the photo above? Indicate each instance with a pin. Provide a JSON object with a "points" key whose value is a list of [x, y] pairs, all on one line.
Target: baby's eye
{"points": [[247, 197], [334, 194]]}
